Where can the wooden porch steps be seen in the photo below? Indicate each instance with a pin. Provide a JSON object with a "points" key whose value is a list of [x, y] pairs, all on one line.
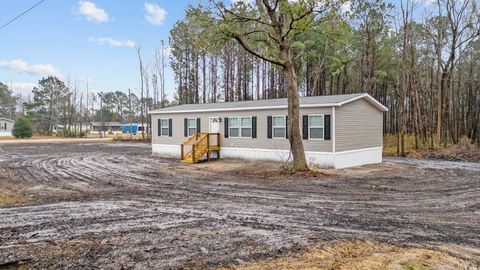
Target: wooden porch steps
{"points": [[200, 145]]}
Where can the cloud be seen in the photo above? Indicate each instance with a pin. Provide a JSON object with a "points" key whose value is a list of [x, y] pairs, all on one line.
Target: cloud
{"points": [[22, 87], [346, 7], [92, 12], [242, 1], [429, 2], [112, 42], [23, 67], [155, 14]]}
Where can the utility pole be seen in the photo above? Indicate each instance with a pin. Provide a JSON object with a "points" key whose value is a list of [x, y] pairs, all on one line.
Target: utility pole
{"points": [[101, 114], [130, 113], [162, 87]]}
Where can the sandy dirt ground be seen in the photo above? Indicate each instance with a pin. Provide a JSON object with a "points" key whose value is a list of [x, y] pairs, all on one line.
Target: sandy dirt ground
{"points": [[114, 205]]}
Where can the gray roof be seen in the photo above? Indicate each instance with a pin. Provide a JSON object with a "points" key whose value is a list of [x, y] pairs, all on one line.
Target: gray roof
{"points": [[315, 101], [6, 119]]}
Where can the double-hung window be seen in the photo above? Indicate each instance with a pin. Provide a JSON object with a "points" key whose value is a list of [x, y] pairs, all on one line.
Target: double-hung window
{"points": [[240, 127], [316, 127], [246, 127], [164, 127], [191, 126], [279, 127]]}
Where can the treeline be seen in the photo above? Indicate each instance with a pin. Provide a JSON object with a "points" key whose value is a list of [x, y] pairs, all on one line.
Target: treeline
{"points": [[421, 61], [58, 103], [8, 102]]}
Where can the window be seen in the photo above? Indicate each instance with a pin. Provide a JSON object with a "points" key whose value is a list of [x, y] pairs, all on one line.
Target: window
{"points": [[279, 124], [246, 127], [164, 128], [191, 126], [240, 127], [315, 127]]}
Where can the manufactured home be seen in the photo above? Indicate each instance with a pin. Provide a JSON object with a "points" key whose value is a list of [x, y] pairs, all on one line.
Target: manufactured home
{"points": [[6, 126], [105, 127], [338, 131]]}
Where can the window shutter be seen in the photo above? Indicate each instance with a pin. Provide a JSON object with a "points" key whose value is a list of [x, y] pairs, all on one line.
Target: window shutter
{"points": [[170, 127], [327, 129], [305, 127], [286, 127], [254, 127], [185, 127], [198, 125], [159, 127], [269, 127], [225, 134]]}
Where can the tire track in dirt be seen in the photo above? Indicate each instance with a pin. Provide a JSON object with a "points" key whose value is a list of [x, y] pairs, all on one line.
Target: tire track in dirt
{"points": [[146, 211]]}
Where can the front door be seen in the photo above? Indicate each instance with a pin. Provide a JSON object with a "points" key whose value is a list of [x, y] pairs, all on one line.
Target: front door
{"points": [[214, 125]]}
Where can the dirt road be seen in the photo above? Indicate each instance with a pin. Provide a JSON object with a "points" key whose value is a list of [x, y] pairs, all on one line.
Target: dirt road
{"points": [[108, 205]]}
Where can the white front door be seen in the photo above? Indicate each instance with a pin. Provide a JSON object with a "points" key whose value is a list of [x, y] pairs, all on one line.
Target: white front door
{"points": [[214, 125]]}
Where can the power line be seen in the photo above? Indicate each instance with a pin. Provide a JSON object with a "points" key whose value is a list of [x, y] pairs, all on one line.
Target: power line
{"points": [[21, 14]]}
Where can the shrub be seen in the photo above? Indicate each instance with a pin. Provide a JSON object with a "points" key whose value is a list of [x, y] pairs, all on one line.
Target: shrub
{"points": [[22, 128]]}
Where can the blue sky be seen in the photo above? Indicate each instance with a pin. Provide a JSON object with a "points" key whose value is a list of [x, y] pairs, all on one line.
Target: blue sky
{"points": [[91, 39], [80, 39]]}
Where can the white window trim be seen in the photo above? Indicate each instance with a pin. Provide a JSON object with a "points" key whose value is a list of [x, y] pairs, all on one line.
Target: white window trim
{"points": [[188, 128], [161, 133], [239, 118], [285, 127], [316, 139]]}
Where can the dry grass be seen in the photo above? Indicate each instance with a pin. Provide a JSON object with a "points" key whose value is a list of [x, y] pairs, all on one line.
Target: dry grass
{"points": [[390, 146], [8, 138], [464, 150], [11, 198], [363, 255]]}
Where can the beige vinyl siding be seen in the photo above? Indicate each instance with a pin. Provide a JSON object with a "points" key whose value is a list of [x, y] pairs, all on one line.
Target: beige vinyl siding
{"points": [[261, 142], [358, 125]]}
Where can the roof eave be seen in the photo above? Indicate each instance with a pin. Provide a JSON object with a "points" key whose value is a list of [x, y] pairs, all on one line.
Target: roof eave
{"points": [[372, 101], [246, 108]]}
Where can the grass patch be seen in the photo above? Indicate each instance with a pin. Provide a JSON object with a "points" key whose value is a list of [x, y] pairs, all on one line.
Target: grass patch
{"points": [[411, 266], [7, 199], [360, 255]]}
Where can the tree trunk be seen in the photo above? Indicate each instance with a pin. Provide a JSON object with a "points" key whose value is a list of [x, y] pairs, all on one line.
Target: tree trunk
{"points": [[294, 137]]}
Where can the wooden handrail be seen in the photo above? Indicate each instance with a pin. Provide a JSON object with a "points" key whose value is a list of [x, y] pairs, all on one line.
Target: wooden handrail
{"points": [[200, 144]]}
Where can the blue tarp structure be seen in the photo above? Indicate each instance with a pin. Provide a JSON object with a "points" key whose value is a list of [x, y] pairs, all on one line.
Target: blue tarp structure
{"points": [[131, 128]]}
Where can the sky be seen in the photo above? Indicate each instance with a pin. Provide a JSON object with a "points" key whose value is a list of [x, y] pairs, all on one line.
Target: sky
{"points": [[85, 40], [80, 40]]}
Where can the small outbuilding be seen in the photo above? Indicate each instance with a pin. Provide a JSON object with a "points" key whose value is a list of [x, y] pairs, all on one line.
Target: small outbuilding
{"points": [[133, 128], [6, 126], [338, 130]]}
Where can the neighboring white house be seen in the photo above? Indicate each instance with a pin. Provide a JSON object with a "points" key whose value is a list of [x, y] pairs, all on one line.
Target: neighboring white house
{"points": [[6, 126]]}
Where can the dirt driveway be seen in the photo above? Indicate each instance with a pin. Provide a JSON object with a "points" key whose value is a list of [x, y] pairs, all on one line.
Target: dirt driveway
{"points": [[111, 205]]}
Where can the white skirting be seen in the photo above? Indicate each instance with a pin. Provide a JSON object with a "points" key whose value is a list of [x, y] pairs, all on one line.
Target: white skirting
{"points": [[358, 157], [321, 159], [5, 133], [166, 149]]}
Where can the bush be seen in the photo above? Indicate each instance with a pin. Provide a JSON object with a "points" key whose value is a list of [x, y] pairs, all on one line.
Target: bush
{"points": [[22, 128]]}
